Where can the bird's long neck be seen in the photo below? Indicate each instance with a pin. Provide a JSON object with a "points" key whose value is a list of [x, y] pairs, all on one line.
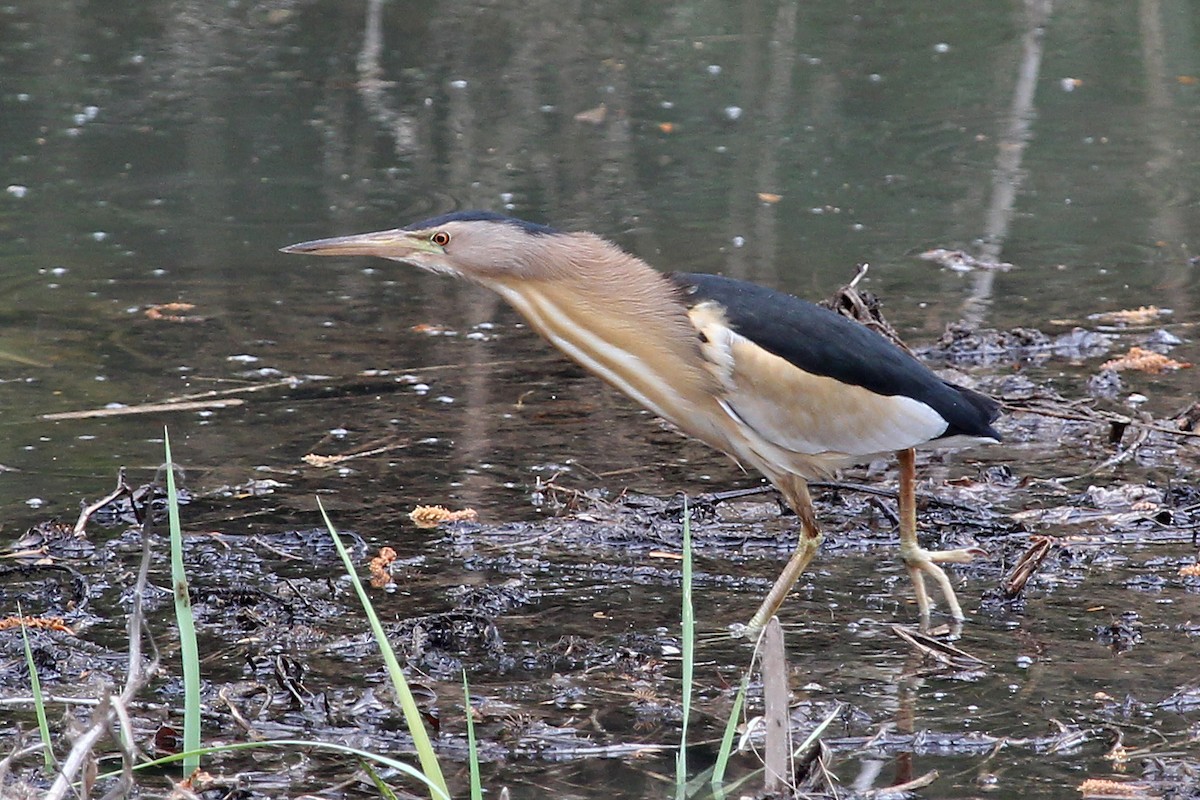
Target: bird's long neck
{"points": [[622, 320]]}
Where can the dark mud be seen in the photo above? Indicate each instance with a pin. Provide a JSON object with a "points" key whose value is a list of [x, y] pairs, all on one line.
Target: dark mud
{"points": [[1077, 656]]}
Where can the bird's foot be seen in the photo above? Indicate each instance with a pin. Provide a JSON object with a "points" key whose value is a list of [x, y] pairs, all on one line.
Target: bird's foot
{"points": [[741, 630], [921, 562], [964, 555]]}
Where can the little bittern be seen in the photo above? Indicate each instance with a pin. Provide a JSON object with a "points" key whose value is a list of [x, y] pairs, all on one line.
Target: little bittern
{"points": [[779, 384]]}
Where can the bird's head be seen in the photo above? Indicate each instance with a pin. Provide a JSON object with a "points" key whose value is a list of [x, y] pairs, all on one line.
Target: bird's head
{"points": [[471, 244]]}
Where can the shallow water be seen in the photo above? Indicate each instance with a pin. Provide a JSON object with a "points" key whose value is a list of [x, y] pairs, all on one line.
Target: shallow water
{"points": [[162, 152]]}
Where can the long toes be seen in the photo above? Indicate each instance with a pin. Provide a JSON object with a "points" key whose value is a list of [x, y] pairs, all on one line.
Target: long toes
{"points": [[962, 556]]}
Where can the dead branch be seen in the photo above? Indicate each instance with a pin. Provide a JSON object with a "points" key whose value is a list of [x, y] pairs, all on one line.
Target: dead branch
{"points": [[145, 408], [123, 490], [137, 677], [943, 653]]}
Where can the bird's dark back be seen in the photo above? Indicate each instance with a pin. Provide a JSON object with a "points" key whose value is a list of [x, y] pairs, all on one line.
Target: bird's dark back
{"points": [[821, 342]]}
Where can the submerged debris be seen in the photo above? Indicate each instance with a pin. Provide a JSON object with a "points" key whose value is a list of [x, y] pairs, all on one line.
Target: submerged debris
{"points": [[1188, 418], [963, 344], [864, 308], [962, 261], [1105, 385], [1122, 634]]}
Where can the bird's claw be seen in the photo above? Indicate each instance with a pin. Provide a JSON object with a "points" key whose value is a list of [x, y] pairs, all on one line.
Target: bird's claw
{"points": [[963, 555]]}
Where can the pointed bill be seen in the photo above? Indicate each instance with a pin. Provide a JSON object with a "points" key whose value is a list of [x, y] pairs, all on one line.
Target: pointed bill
{"points": [[395, 243]]}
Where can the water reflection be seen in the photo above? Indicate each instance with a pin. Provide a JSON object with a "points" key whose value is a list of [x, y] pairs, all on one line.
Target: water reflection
{"points": [[1007, 177]]}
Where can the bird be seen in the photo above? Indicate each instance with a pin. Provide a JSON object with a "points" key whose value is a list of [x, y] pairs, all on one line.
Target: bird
{"points": [[781, 385]]}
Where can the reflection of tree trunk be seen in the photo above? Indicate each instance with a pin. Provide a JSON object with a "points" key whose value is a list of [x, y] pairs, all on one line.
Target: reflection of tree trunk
{"points": [[197, 44], [778, 111], [61, 25], [1007, 176], [372, 88], [775, 123], [1163, 133], [741, 184], [908, 688], [342, 154]]}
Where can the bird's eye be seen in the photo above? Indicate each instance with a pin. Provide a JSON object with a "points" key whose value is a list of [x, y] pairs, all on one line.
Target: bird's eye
{"points": [[440, 238]]}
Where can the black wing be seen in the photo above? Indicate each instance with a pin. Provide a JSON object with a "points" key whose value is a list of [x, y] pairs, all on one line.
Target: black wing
{"points": [[821, 342]]}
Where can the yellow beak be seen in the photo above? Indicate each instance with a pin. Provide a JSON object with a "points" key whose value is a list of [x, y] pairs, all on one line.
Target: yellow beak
{"points": [[396, 244]]}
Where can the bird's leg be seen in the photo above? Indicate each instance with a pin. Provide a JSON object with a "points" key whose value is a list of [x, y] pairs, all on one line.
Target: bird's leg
{"points": [[810, 542], [918, 561]]}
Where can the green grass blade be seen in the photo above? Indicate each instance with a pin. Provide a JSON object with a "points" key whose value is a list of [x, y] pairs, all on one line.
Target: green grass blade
{"points": [[723, 755], [688, 646], [412, 715], [189, 652], [384, 790], [39, 702], [472, 749]]}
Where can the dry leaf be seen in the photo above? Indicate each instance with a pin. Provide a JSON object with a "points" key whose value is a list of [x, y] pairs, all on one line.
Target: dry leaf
{"points": [[425, 327], [381, 576], [1144, 360], [45, 623], [432, 516], [593, 116], [1187, 80], [198, 782], [769, 197], [666, 127], [1142, 315], [164, 312], [1098, 788]]}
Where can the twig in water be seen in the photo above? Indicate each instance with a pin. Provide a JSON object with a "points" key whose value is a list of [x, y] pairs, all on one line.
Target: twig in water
{"points": [[138, 675], [941, 652], [901, 790], [1092, 415], [318, 460], [123, 490], [144, 408]]}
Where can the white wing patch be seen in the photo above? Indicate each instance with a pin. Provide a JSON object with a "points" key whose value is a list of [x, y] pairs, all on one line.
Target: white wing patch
{"points": [[785, 408]]}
